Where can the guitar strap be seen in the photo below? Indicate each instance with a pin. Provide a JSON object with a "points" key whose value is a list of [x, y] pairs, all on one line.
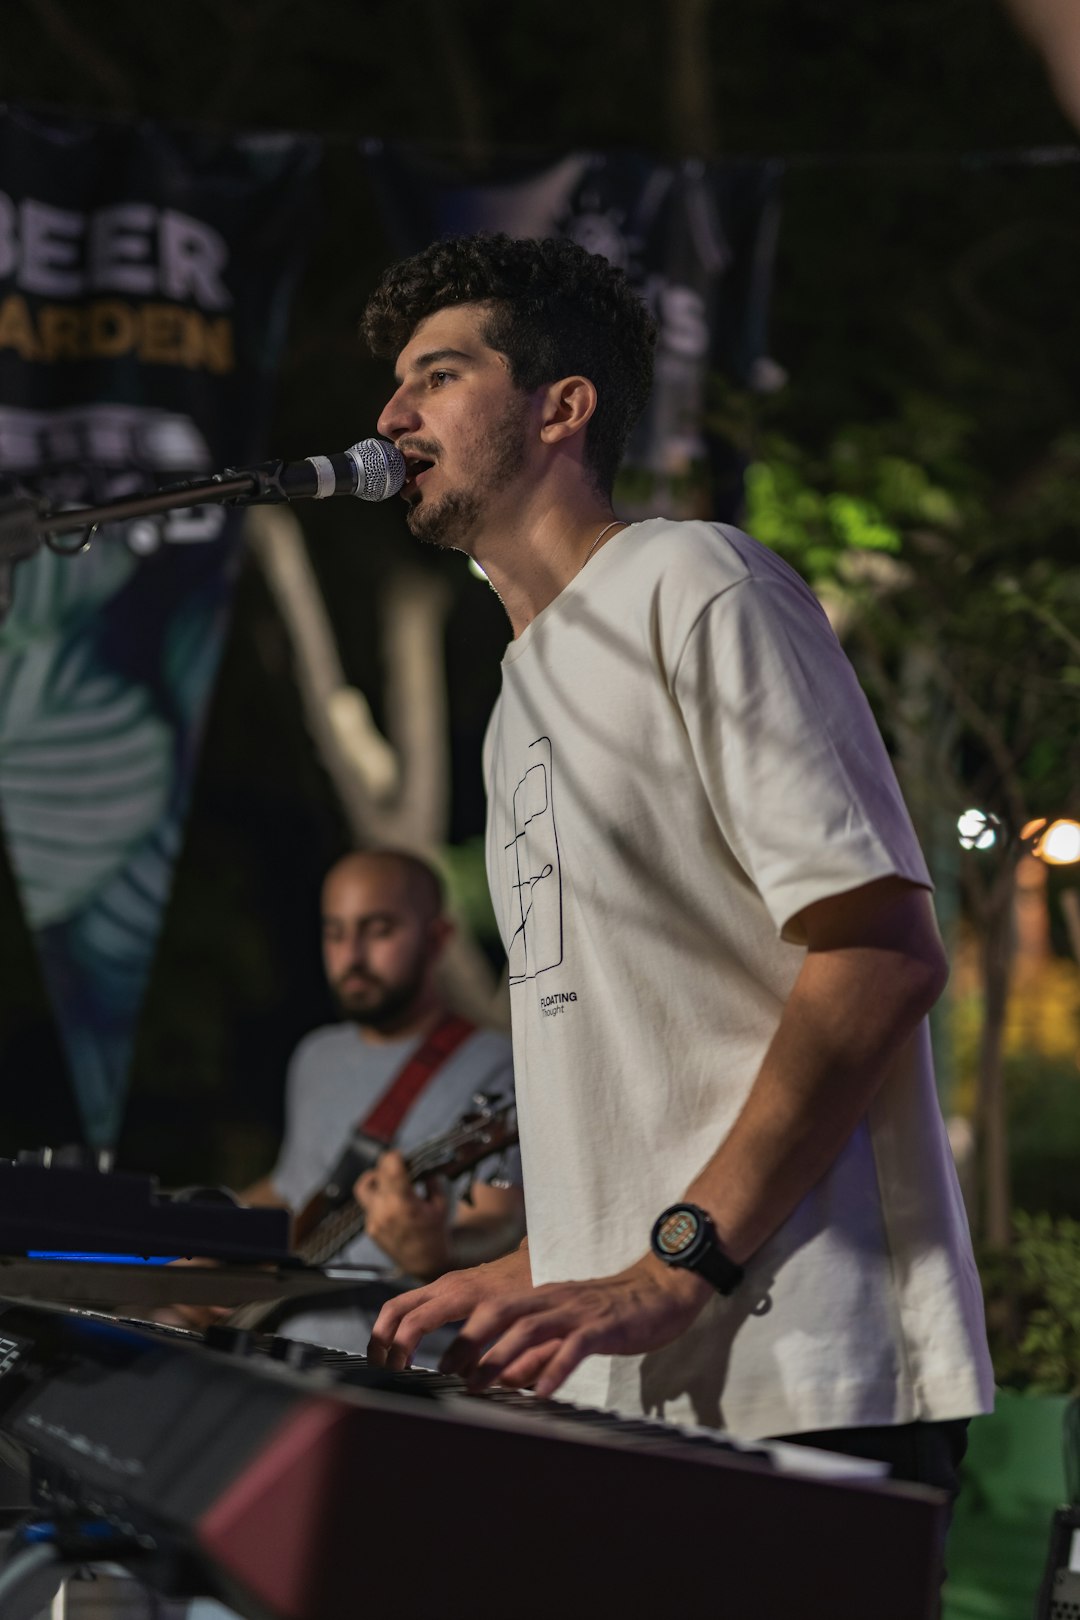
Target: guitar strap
{"points": [[415, 1075]]}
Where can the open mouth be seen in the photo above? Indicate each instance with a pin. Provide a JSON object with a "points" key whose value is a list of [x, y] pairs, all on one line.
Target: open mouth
{"points": [[415, 468]]}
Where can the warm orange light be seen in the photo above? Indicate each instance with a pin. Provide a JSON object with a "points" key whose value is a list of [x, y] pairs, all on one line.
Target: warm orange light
{"points": [[1030, 828], [1059, 845]]}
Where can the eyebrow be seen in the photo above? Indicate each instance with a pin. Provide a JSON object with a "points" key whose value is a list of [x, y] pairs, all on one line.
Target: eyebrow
{"points": [[422, 361], [331, 920]]}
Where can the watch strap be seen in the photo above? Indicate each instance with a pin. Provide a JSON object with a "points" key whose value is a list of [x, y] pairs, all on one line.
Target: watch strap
{"points": [[718, 1268], [703, 1254]]}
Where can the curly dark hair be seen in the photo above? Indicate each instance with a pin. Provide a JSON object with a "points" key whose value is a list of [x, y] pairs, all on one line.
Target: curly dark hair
{"points": [[555, 311]]}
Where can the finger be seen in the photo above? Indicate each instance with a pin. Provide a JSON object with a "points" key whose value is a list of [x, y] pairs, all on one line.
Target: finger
{"points": [[394, 1171], [570, 1354], [524, 1335], [523, 1373], [404, 1321], [497, 1332], [388, 1322], [434, 1198], [482, 1328], [425, 1319], [365, 1187]]}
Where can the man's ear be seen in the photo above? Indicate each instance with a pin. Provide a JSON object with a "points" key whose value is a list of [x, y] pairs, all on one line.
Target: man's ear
{"points": [[565, 408], [440, 931]]}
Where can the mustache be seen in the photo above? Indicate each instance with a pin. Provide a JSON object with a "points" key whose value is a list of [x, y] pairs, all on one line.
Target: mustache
{"points": [[430, 449], [358, 976]]}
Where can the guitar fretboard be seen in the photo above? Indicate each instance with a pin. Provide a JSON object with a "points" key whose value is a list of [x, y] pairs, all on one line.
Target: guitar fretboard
{"points": [[331, 1235]]}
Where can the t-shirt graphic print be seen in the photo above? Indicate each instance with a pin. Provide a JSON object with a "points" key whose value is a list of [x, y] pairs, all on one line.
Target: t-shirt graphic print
{"points": [[534, 928]]}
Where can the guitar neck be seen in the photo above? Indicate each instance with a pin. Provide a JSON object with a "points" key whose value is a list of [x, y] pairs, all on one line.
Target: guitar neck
{"points": [[331, 1235]]}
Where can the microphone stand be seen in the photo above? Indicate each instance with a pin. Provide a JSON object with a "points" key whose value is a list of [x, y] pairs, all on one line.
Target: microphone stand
{"points": [[26, 523]]}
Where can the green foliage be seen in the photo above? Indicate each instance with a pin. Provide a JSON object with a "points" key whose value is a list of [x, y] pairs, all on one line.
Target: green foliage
{"points": [[859, 495], [810, 527], [465, 875], [1044, 1136], [933, 549], [1033, 1306]]}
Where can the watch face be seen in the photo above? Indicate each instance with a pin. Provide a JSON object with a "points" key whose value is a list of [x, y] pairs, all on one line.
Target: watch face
{"points": [[678, 1232]]}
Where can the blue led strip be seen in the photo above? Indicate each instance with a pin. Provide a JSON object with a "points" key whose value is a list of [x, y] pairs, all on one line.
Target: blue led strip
{"points": [[102, 1259]]}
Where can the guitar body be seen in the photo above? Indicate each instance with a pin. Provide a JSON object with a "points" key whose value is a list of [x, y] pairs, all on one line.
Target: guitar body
{"points": [[360, 1154]]}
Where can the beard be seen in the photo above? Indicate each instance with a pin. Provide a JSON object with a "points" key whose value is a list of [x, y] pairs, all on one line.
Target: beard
{"points": [[450, 519], [374, 1004], [447, 522]]}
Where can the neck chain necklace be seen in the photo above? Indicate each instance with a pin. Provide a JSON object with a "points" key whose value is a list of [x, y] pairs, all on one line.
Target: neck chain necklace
{"points": [[614, 524]]}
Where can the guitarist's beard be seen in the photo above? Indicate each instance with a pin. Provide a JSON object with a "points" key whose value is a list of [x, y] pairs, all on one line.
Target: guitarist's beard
{"points": [[374, 1004]]}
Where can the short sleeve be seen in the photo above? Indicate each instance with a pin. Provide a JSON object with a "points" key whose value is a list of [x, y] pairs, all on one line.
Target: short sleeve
{"points": [[788, 750]]}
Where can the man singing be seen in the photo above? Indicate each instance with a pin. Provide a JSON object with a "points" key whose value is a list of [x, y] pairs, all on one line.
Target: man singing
{"points": [[741, 1205]]}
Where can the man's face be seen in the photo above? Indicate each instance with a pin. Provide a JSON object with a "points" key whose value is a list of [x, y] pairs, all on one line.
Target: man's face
{"points": [[460, 423], [378, 944]]}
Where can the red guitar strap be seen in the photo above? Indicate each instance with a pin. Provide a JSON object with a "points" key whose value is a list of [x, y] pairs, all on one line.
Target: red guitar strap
{"points": [[413, 1077]]}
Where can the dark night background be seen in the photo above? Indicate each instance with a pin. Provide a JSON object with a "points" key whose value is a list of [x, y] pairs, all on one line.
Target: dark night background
{"points": [[910, 260]]}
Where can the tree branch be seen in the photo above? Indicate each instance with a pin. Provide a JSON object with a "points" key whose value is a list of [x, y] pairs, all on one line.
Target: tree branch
{"points": [[456, 58], [690, 104], [82, 52], [391, 796]]}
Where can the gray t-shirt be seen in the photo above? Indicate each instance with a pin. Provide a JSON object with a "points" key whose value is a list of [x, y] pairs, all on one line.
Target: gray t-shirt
{"points": [[334, 1080]]}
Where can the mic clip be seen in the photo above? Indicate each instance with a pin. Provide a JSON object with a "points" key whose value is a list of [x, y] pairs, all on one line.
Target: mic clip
{"points": [[266, 484], [20, 535]]}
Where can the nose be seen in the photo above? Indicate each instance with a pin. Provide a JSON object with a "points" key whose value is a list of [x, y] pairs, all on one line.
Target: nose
{"points": [[398, 416], [348, 951], [354, 962]]}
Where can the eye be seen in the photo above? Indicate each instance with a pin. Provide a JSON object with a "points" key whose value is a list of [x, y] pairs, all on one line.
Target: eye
{"points": [[437, 378]]}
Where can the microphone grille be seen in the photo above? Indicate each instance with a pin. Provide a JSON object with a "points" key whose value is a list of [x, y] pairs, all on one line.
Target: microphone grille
{"points": [[380, 468]]}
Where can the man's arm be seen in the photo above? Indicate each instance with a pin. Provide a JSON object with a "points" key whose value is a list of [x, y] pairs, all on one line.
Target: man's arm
{"points": [[874, 967], [490, 1224], [263, 1194]]}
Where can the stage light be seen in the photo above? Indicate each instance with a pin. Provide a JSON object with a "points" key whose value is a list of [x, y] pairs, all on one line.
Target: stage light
{"points": [[1059, 844], [978, 829]]}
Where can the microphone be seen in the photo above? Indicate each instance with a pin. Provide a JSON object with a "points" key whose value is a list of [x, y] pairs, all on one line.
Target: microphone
{"points": [[372, 470]]}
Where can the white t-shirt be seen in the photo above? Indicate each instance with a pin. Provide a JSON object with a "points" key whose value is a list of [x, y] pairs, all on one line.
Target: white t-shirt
{"points": [[680, 761]]}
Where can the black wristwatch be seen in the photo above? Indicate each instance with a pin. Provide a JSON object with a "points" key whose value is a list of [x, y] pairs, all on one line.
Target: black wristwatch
{"points": [[684, 1235]]}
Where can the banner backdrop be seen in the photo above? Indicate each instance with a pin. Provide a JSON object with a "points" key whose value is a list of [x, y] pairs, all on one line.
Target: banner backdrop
{"points": [[696, 239], [144, 283]]}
